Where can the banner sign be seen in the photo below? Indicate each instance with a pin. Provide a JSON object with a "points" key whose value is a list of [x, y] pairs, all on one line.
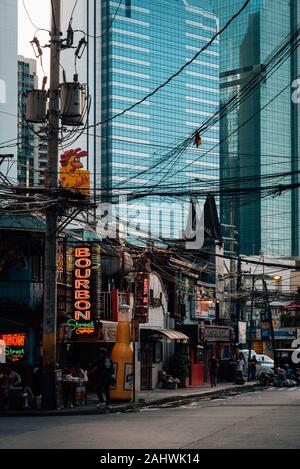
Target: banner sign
{"points": [[242, 332], [265, 326]]}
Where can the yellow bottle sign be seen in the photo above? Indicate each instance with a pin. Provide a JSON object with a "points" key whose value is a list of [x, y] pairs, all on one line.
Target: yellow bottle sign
{"points": [[122, 357]]}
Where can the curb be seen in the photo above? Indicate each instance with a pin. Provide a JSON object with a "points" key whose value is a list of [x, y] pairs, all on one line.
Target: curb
{"points": [[130, 406]]}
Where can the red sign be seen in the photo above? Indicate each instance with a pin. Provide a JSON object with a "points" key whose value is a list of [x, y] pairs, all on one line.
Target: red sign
{"points": [[142, 297]]}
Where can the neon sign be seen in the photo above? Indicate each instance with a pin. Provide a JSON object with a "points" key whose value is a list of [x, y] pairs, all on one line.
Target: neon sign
{"points": [[82, 291], [81, 327], [141, 297], [14, 346]]}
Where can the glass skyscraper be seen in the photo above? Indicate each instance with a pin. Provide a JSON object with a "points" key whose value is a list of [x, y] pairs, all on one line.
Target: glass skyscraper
{"points": [[27, 80], [267, 139], [8, 82], [142, 43]]}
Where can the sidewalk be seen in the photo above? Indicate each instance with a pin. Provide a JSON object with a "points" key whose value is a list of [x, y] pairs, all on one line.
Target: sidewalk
{"points": [[143, 399]]}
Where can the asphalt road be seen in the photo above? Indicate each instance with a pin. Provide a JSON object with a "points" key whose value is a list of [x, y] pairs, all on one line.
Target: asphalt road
{"points": [[261, 419]]}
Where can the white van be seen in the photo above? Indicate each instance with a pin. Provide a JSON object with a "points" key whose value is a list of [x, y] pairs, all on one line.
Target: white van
{"points": [[265, 363], [246, 354]]}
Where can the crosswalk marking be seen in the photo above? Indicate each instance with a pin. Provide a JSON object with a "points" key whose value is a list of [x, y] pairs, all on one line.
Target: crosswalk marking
{"points": [[274, 388]]}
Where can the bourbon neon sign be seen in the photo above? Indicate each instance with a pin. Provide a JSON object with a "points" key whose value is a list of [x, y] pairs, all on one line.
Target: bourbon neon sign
{"points": [[82, 291], [14, 346]]}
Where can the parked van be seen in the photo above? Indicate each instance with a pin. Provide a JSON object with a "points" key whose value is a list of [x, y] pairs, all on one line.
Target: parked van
{"points": [[265, 363]]}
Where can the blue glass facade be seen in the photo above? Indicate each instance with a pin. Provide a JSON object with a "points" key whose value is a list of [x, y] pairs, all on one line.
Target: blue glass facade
{"points": [[147, 43], [27, 80], [8, 82], [267, 139]]}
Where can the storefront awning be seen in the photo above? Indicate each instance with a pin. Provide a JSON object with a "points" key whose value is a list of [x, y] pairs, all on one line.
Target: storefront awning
{"points": [[170, 334]]}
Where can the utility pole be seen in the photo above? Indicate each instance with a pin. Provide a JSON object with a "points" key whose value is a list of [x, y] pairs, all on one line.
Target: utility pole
{"points": [[238, 301], [251, 320], [50, 285], [270, 321]]}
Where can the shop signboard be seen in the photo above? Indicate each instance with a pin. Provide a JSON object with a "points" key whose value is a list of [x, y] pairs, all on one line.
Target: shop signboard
{"points": [[14, 346], [71, 172], [84, 292], [217, 333], [141, 313], [204, 308]]}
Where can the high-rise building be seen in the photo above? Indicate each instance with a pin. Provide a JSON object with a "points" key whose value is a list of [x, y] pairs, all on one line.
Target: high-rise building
{"points": [[8, 82], [27, 80], [260, 137], [134, 46]]}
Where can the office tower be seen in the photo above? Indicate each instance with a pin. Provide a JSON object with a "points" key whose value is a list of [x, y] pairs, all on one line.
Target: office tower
{"points": [[27, 80], [8, 82], [260, 137], [142, 43]]}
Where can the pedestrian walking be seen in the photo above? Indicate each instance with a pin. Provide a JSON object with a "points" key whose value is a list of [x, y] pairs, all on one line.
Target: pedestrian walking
{"points": [[252, 368], [103, 377], [213, 366], [239, 373]]}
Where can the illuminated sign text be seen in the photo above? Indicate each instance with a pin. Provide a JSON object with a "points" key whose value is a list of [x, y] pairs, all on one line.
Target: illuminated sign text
{"points": [[82, 290], [14, 346]]}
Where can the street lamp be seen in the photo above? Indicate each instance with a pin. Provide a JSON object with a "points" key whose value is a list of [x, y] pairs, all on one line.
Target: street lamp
{"points": [[276, 277]]}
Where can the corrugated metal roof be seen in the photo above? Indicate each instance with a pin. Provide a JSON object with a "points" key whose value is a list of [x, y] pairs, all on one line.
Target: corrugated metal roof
{"points": [[21, 222]]}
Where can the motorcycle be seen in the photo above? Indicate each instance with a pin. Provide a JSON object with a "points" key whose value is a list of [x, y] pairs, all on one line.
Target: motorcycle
{"points": [[282, 379], [266, 378]]}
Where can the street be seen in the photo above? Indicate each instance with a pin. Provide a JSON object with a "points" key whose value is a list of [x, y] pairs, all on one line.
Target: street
{"points": [[258, 419]]}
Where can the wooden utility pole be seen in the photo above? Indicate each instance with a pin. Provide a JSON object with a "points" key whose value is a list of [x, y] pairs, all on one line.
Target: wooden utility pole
{"points": [[50, 285], [250, 329], [267, 301], [238, 301]]}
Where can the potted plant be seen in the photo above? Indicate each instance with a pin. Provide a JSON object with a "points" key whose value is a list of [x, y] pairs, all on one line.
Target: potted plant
{"points": [[182, 366]]}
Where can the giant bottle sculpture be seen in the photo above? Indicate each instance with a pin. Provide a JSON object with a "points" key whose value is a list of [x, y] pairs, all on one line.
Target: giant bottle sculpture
{"points": [[122, 357]]}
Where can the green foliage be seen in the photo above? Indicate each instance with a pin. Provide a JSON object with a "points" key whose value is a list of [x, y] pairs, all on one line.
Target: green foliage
{"points": [[182, 363]]}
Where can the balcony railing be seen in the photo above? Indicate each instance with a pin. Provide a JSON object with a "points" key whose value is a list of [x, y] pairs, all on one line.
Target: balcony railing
{"points": [[110, 302], [106, 305], [21, 294]]}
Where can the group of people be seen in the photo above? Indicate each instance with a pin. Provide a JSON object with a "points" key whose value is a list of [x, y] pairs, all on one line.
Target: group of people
{"points": [[102, 375], [74, 381], [213, 364], [9, 380]]}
